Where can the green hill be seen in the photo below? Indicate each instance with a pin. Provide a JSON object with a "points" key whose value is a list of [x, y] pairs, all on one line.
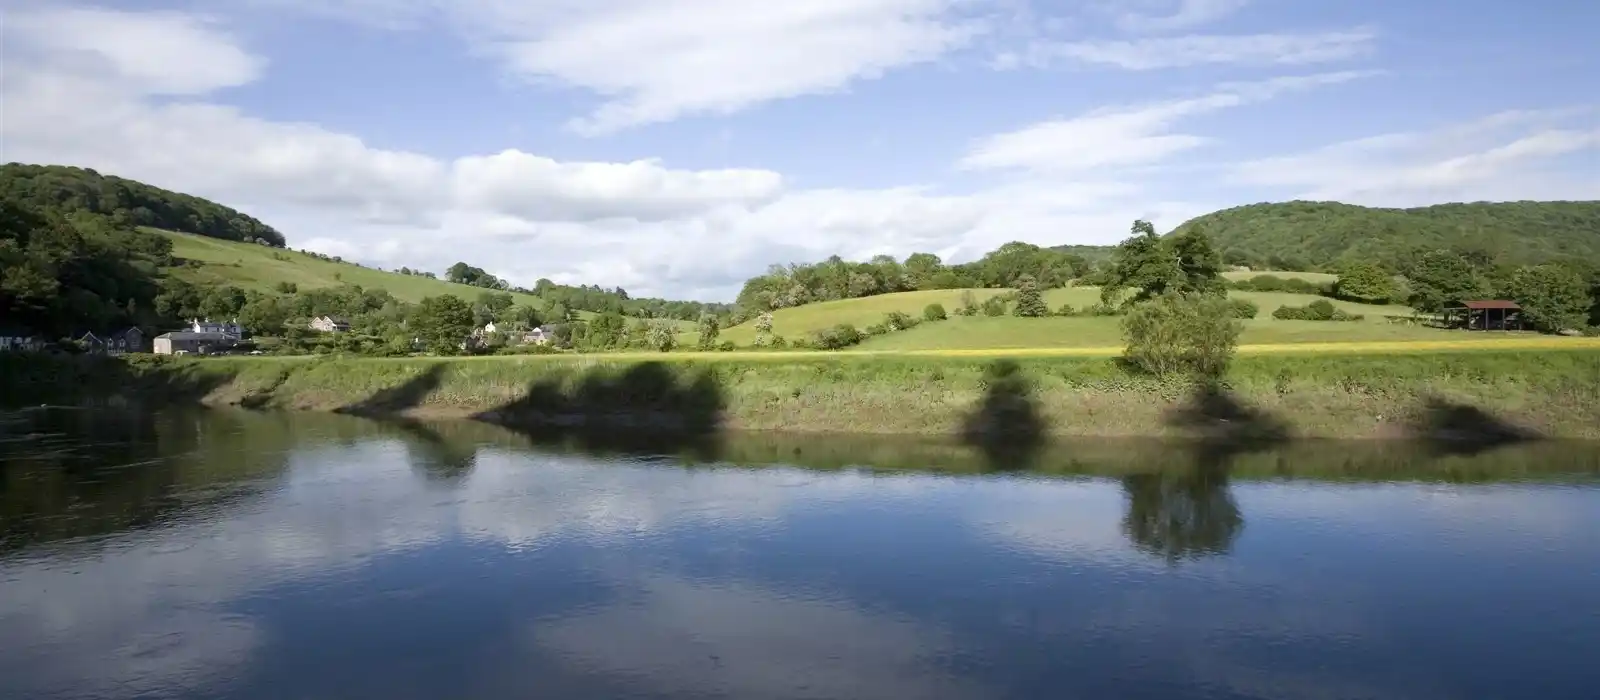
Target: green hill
{"points": [[1316, 234], [208, 261], [64, 189]]}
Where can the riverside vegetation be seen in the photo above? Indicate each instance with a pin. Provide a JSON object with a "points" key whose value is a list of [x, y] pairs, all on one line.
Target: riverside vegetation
{"points": [[77, 256]]}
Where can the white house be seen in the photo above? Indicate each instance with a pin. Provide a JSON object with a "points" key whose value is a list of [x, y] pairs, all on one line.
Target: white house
{"points": [[229, 328], [330, 324]]}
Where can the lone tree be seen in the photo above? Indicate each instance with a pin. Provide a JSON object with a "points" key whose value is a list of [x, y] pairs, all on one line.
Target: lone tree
{"points": [[1182, 334], [709, 330], [1364, 281], [662, 335], [1029, 302]]}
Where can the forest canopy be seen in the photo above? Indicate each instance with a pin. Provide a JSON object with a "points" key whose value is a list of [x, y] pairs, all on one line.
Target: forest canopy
{"points": [[62, 190], [1303, 235]]}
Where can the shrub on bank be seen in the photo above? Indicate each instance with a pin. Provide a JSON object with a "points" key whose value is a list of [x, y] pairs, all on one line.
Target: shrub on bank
{"points": [[1176, 334], [934, 312]]}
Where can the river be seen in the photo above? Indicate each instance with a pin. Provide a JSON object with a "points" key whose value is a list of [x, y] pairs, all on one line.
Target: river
{"points": [[229, 554]]}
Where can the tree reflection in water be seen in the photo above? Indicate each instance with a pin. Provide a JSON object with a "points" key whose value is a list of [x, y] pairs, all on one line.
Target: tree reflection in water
{"points": [[1182, 515]]}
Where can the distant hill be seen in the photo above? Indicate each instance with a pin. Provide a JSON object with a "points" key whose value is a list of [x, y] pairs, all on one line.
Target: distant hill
{"points": [[1295, 235], [65, 190], [1092, 253]]}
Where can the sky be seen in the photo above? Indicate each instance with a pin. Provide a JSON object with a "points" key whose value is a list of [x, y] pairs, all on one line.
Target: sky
{"points": [[677, 147]]}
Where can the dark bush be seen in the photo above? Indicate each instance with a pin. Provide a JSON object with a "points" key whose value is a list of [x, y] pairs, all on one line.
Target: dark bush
{"points": [[899, 321], [934, 312], [838, 337], [1322, 310], [1066, 310], [1244, 308], [728, 346], [1291, 313], [1319, 310]]}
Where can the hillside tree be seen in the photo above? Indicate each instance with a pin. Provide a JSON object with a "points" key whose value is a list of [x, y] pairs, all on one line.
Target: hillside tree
{"points": [[1364, 281], [1440, 277], [1199, 264], [1553, 297]]}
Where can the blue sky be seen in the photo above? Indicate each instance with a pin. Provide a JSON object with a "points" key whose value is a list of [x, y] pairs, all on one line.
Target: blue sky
{"points": [[675, 147]]}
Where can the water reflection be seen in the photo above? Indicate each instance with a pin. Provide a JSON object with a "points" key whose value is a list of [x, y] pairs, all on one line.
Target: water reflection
{"points": [[1183, 514], [270, 556]]}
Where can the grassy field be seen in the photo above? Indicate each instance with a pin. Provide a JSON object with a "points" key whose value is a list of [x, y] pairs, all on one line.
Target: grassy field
{"points": [[981, 332], [801, 321]]}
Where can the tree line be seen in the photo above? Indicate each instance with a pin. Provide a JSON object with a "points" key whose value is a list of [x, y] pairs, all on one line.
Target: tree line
{"points": [[785, 286], [591, 298]]}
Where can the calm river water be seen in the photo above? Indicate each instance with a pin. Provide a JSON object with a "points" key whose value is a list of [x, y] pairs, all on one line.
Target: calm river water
{"points": [[240, 555]]}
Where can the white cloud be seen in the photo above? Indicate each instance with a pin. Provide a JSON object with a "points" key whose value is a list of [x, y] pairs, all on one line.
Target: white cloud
{"points": [[54, 116], [153, 52], [657, 60], [1172, 52], [1505, 156], [1126, 135], [1172, 15], [540, 189]]}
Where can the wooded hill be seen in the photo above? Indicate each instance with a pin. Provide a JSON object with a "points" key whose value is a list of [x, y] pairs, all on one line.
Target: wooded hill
{"points": [[64, 190], [1303, 235]]}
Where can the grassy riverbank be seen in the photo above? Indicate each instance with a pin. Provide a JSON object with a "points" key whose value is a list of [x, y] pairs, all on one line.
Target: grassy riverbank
{"points": [[1551, 392]]}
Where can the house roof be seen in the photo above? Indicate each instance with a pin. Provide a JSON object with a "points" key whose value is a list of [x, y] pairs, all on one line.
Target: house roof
{"points": [[1481, 304], [190, 335]]}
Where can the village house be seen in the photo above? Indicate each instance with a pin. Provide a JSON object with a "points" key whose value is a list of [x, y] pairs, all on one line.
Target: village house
{"points": [[229, 328], [330, 324], [16, 339], [92, 344], [192, 343], [539, 336], [125, 341], [122, 342], [516, 333]]}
